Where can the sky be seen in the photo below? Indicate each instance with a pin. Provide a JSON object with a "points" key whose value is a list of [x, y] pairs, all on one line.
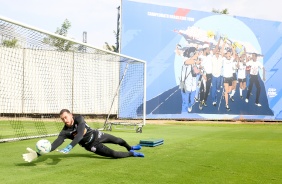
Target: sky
{"points": [[99, 17]]}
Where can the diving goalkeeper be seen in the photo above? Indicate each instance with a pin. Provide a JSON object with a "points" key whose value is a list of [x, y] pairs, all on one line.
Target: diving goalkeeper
{"points": [[92, 140]]}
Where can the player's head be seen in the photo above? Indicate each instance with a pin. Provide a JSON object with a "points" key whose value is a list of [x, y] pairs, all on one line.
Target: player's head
{"points": [[254, 56], [237, 57], [67, 117], [228, 53], [206, 49], [217, 51], [190, 52], [242, 57]]}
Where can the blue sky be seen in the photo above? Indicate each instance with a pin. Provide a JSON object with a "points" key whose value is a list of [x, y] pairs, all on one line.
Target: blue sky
{"points": [[99, 17]]}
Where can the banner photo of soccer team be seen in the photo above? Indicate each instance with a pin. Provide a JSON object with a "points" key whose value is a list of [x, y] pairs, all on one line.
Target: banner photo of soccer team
{"points": [[202, 65]]}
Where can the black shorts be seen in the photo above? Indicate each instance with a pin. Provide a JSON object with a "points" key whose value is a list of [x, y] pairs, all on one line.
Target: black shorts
{"points": [[242, 80], [234, 78], [228, 80]]}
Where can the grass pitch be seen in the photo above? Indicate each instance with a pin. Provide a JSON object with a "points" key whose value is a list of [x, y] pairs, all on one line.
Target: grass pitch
{"points": [[191, 153]]}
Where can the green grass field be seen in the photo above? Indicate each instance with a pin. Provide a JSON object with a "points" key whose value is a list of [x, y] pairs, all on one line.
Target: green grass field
{"points": [[191, 153]]}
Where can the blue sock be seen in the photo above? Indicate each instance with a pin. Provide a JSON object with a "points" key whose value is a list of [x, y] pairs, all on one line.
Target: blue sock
{"points": [[136, 147], [137, 154]]}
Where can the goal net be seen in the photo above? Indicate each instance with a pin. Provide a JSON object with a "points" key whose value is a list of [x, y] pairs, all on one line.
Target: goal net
{"points": [[42, 73]]}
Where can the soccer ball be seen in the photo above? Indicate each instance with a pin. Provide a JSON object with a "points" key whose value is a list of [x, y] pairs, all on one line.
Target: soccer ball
{"points": [[43, 146]]}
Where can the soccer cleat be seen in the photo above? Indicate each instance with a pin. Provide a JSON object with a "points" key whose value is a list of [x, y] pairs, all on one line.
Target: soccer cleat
{"points": [[246, 100], [137, 154], [214, 103], [136, 147], [258, 104], [232, 99], [200, 105], [204, 103], [189, 109], [227, 107], [196, 99]]}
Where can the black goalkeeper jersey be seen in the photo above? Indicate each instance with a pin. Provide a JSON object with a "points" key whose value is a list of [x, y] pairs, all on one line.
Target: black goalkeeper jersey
{"points": [[79, 133]]}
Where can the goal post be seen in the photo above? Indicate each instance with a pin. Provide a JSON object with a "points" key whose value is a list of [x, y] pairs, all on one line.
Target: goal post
{"points": [[130, 101], [42, 73]]}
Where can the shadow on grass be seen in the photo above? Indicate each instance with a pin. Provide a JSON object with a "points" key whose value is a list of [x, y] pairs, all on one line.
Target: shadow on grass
{"points": [[57, 158]]}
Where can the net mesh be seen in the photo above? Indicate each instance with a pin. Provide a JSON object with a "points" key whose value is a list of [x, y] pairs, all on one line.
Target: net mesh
{"points": [[41, 73]]}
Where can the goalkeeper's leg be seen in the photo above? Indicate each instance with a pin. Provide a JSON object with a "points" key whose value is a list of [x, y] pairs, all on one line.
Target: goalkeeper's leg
{"points": [[108, 138], [103, 150]]}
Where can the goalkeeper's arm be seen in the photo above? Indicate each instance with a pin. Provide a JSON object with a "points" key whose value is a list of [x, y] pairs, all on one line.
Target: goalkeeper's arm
{"points": [[29, 157]]}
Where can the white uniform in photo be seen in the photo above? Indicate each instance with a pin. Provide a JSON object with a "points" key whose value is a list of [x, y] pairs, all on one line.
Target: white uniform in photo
{"points": [[228, 67], [241, 71]]}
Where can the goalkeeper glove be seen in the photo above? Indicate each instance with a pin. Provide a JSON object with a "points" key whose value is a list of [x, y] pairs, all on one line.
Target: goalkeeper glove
{"points": [[28, 157], [67, 149]]}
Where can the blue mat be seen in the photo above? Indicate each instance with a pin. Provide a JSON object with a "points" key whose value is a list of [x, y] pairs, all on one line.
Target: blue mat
{"points": [[151, 142]]}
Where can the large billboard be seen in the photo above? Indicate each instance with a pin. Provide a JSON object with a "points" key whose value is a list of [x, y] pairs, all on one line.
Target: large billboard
{"points": [[203, 65]]}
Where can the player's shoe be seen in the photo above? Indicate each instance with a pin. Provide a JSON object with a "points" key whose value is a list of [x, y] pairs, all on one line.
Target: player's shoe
{"points": [[214, 103], [258, 104], [137, 154], [246, 100], [200, 105], [232, 99], [136, 147], [227, 107], [189, 109]]}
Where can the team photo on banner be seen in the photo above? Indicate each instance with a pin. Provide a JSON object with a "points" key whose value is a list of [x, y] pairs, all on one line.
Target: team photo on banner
{"points": [[205, 65]]}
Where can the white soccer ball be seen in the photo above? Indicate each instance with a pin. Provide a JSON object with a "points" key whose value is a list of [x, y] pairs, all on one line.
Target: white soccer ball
{"points": [[43, 146]]}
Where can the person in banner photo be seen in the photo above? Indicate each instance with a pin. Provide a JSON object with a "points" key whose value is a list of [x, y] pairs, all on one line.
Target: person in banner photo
{"points": [[248, 68], [228, 67], [241, 65], [217, 59], [188, 80], [206, 75], [234, 78], [254, 72]]}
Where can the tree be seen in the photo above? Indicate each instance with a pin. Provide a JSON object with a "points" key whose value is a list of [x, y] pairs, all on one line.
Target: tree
{"points": [[116, 33], [10, 43], [61, 44], [111, 48], [224, 11]]}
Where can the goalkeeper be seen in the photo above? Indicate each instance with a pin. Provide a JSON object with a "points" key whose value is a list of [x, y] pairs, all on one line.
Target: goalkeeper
{"points": [[79, 132]]}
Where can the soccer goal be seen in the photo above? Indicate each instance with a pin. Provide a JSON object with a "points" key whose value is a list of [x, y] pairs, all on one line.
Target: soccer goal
{"points": [[42, 73]]}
